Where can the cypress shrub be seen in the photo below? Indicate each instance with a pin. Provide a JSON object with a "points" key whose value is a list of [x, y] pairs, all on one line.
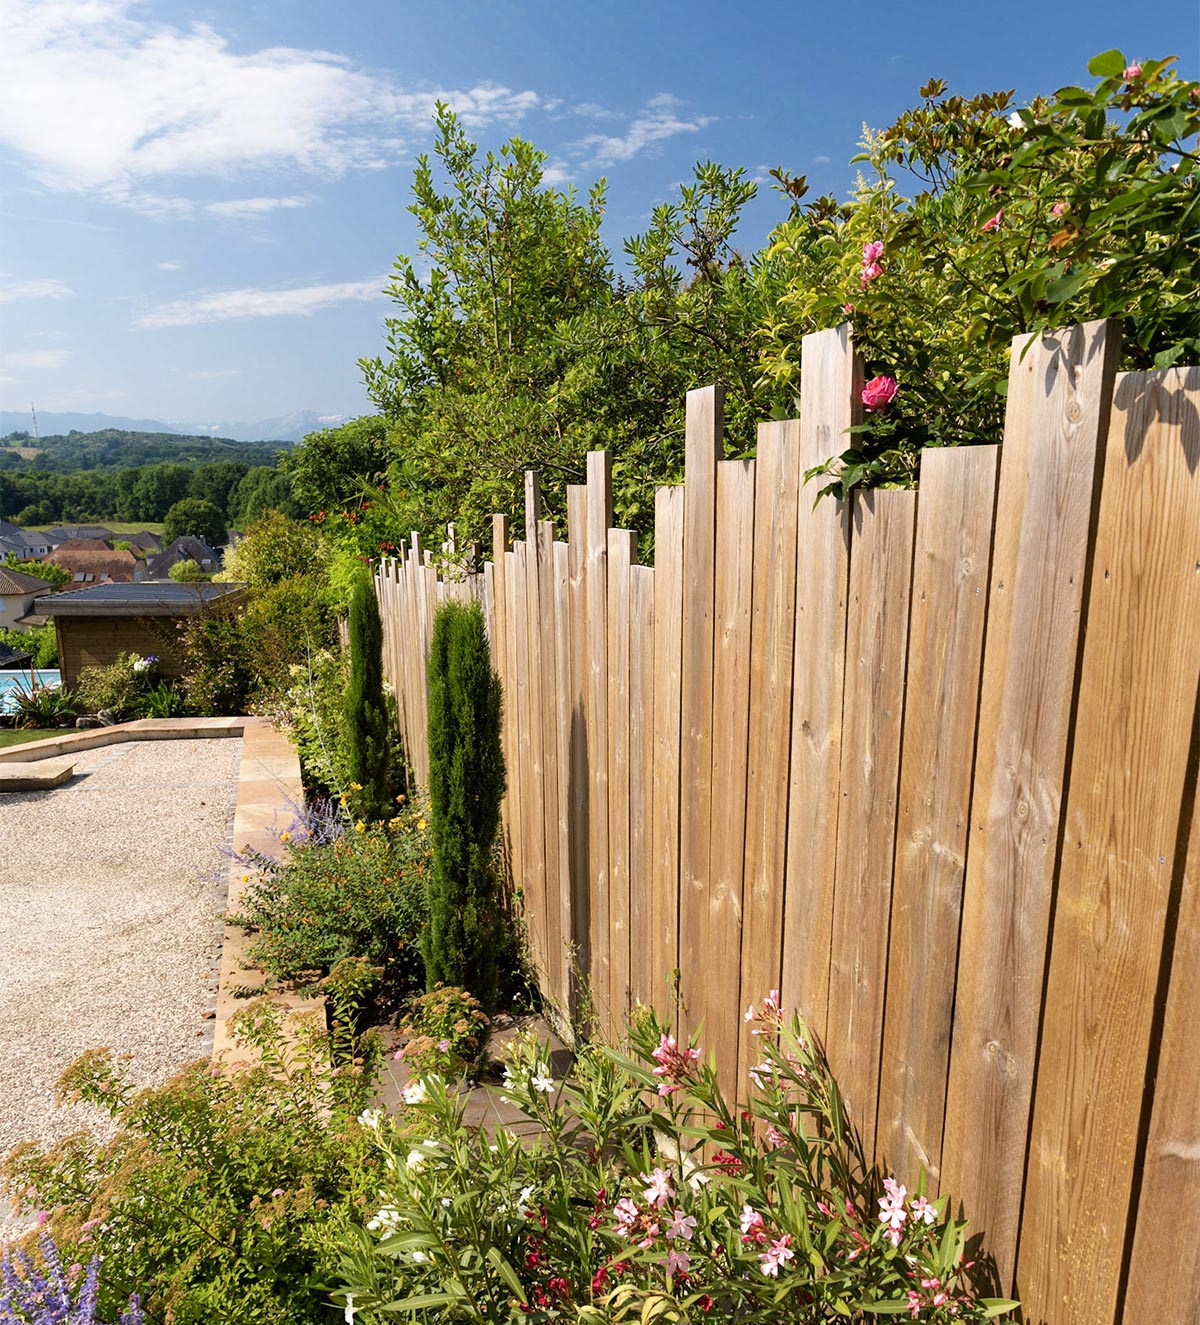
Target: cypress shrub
{"points": [[466, 784], [366, 704]]}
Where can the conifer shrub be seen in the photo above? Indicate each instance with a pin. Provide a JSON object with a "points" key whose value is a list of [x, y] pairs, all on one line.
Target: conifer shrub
{"points": [[366, 704], [466, 783]]}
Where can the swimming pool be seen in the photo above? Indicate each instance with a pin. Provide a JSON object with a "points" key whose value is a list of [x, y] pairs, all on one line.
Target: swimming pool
{"points": [[18, 683]]}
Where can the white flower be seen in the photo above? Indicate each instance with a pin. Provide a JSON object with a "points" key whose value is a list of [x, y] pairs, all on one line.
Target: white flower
{"points": [[419, 1258], [349, 1309], [446, 1203], [1015, 121], [141, 665], [542, 1080], [415, 1094], [387, 1221], [416, 1161], [371, 1118], [523, 1201]]}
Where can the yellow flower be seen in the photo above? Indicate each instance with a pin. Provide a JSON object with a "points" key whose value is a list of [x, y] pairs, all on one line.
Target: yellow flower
{"points": [[421, 823], [356, 786], [342, 800], [360, 827], [245, 878], [285, 837]]}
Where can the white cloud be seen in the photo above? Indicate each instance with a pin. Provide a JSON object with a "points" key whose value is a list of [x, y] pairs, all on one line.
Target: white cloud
{"points": [[146, 100], [44, 289], [231, 305], [658, 120], [822, 160], [37, 359], [241, 209], [207, 374], [172, 264]]}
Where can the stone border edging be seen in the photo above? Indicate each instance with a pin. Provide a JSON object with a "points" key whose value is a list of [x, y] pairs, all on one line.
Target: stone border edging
{"points": [[144, 729]]}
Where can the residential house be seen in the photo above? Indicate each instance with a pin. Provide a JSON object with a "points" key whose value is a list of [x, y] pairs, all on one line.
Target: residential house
{"points": [[18, 592], [95, 561], [26, 544], [185, 548], [62, 533]]}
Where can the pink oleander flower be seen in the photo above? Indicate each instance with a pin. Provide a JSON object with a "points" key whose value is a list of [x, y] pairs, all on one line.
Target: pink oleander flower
{"points": [[658, 1187], [878, 393], [993, 223], [847, 309], [872, 252], [674, 1064], [891, 1207], [914, 1303], [681, 1226], [1060, 209], [626, 1215], [676, 1261], [870, 271], [754, 1228], [923, 1209], [777, 1254], [774, 1136], [1132, 72]]}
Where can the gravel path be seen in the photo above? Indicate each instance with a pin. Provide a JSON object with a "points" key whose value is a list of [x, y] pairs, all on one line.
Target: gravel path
{"points": [[111, 892]]}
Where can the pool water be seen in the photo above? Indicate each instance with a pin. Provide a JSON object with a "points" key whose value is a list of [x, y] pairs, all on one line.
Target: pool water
{"points": [[18, 683]]}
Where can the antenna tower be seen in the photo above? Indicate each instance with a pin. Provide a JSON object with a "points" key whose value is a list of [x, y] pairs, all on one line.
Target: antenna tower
{"points": [[32, 411]]}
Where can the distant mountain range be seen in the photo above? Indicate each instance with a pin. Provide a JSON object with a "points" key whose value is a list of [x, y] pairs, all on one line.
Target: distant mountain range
{"points": [[288, 428]]}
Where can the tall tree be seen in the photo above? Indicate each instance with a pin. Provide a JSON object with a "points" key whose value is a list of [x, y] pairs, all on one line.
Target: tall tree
{"points": [[366, 705]]}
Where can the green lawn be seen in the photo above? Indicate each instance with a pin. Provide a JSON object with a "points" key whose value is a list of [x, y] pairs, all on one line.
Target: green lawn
{"points": [[8, 736], [118, 527]]}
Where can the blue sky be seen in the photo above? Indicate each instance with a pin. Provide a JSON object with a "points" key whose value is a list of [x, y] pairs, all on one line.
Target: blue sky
{"points": [[199, 204]]}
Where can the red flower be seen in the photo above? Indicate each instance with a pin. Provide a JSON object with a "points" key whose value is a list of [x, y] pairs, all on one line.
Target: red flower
{"points": [[878, 393]]}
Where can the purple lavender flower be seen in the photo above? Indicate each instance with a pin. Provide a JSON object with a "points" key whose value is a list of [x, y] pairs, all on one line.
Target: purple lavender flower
{"points": [[29, 1296]]}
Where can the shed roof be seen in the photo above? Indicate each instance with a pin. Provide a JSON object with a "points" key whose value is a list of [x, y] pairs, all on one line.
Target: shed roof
{"points": [[157, 598]]}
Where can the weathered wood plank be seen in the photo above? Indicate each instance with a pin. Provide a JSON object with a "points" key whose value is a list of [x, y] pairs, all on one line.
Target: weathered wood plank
{"points": [[732, 615], [702, 449], [949, 602], [1137, 694], [536, 783], [776, 506], [876, 657], [830, 403], [622, 551], [668, 652], [580, 790], [1057, 408], [641, 781], [560, 579], [548, 697], [599, 519]]}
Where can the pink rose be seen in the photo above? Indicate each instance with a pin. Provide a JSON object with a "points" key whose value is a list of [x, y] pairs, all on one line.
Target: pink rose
{"points": [[869, 272], [878, 393], [1060, 209], [994, 223], [872, 252], [1132, 72]]}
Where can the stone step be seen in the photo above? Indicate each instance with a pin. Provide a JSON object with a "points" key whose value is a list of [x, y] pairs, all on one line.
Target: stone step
{"points": [[36, 775]]}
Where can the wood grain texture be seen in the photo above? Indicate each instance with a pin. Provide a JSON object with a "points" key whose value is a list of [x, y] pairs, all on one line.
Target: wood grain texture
{"points": [[560, 579], [548, 690], [536, 878], [1137, 694], [830, 403], [500, 662], [703, 448], [773, 614], [872, 714], [1167, 1287], [732, 616], [1057, 409], [945, 644], [668, 652], [622, 551], [599, 519], [641, 781], [579, 785]]}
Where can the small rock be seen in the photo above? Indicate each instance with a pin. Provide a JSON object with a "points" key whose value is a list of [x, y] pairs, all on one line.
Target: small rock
{"points": [[209, 1015]]}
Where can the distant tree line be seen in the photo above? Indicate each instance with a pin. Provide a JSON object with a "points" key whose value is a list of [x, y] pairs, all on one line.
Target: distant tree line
{"points": [[112, 448]]}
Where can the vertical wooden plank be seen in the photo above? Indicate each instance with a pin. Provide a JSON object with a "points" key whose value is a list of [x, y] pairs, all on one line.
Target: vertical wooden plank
{"points": [[668, 652], [580, 789], [641, 781], [1166, 1287], [418, 610], [531, 638], [560, 581], [1059, 395], [513, 579], [702, 449], [949, 602], [732, 614], [776, 504], [547, 700], [876, 653], [1137, 692], [599, 518], [829, 404], [622, 551], [500, 662]]}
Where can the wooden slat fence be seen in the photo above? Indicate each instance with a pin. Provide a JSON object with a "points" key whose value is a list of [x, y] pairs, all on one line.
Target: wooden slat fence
{"points": [[925, 761]]}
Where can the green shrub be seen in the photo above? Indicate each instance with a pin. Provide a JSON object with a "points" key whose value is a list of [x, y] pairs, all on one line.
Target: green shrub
{"points": [[188, 572], [360, 895], [367, 744], [165, 700], [311, 708], [446, 1029], [40, 641], [45, 706], [645, 1195], [466, 783], [219, 1194], [117, 687]]}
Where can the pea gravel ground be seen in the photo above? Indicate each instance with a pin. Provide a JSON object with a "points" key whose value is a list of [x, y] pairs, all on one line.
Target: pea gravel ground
{"points": [[111, 892]]}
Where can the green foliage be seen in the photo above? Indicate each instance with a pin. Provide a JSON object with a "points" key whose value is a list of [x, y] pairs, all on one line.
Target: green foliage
{"points": [[118, 688], [219, 1194], [275, 548], [262, 489], [194, 515], [366, 713], [311, 709], [44, 706], [1025, 219], [645, 1195], [43, 570], [40, 641], [188, 572], [466, 784], [165, 700], [360, 895], [334, 467], [446, 1030], [219, 670]]}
